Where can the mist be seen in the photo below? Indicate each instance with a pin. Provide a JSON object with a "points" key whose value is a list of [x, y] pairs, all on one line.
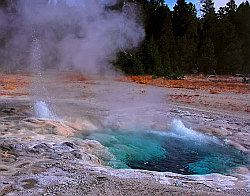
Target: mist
{"points": [[79, 35]]}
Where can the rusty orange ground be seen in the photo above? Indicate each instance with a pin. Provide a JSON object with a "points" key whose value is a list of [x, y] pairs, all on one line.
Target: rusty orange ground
{"points": [[214, 85], [10, 82], [14, 84]]}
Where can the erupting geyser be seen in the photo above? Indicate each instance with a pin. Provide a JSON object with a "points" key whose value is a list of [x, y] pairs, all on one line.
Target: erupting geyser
{"points": [[41, 110]]}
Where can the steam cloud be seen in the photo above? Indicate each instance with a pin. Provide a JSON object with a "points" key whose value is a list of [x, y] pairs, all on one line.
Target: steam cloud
{"points": [[82, 35]]}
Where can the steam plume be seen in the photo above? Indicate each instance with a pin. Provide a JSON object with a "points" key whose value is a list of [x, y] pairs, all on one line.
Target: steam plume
{"points": [[82, 35]]}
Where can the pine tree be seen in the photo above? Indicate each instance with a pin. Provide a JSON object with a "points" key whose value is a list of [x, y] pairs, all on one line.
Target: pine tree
{"points": [[207, 8], [230, 59], [158, 24], [130, 63], [230, 11], [185, 27], [184, 19], [243, 30], [209, 37], [137, 66], [151, 58], [228, 44], [207, 61], [231, 6], [165, 40]]}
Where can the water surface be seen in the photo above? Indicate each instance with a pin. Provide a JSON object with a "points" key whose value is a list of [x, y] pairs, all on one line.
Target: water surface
{"points": [[180, 150]]}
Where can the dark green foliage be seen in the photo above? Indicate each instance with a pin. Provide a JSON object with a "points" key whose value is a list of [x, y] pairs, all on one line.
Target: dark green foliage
{"points": [[230, 11], [151, 58], [242, 25], [228, 46], [156, 51], [129, 63], [185, 28], [184, 19], [207, 8], [207, 61]]}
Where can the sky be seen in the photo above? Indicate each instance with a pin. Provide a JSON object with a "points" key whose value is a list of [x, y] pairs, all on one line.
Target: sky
{"points": [[217, 3]]}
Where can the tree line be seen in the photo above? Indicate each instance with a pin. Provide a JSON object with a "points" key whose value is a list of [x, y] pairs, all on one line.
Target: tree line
{"points": [[180, 42]]}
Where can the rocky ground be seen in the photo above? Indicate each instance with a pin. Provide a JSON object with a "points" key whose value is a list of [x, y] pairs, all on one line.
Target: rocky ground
{"points": [[45, 157]]}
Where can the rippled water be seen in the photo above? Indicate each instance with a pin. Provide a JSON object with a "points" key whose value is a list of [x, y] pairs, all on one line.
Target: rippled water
{"points": [[180, 150]]}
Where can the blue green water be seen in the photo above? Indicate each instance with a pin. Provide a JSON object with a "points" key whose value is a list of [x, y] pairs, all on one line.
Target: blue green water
{"points": [[180, 150]]}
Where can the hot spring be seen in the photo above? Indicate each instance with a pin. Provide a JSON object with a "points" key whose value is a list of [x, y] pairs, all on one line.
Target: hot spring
{"points": [[179, 150]]}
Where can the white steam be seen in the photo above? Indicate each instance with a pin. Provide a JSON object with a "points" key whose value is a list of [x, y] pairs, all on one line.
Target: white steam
{"points": [[83, 35]]}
